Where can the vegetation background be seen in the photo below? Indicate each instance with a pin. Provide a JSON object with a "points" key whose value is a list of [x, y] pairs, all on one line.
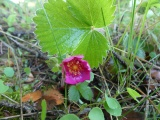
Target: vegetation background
{"points": [[129, 73]]}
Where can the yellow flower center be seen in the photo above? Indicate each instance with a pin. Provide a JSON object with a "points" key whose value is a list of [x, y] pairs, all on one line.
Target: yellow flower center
{"points": [[74, 67]]}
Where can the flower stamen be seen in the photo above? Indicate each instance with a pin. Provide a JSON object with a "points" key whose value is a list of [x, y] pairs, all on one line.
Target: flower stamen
{"points": [[74, 67]]}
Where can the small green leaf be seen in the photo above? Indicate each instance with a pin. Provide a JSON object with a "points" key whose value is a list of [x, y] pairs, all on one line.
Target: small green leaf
{"points": [[112, 102], [96, 114], [44, 109], [85, 91], [69, 117], [56, 68], [11, 29], [8, 71], [73, 94], [133, 94], [3, 88], [11, 19], [53, 64], [114, 112], [152, 54], [141, 53], [27, 70]]}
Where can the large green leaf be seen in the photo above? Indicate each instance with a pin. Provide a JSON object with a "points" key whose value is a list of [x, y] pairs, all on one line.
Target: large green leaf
{"points": [[74, 27]]}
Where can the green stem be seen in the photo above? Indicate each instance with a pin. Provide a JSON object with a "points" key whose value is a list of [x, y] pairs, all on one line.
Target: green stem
{"points": [[131, 28], [142, 27], [65, 102], [130, 44]]}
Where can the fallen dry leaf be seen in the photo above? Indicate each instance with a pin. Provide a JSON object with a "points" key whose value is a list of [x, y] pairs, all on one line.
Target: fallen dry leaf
{"points": [[34, 96], [53, 94], [53, 97], [9, 63], [133, 116], [155, 74]]}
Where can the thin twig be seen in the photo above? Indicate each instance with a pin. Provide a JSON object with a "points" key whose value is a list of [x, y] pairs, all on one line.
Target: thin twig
{"points": [[9, 98], [28, 114], [35, 52], [19, 77]]}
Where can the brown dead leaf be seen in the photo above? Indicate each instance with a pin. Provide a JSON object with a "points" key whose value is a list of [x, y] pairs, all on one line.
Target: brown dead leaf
{"points": [[34, 96], [53, 95], [9, 63], [133, 116], [155, 74]]}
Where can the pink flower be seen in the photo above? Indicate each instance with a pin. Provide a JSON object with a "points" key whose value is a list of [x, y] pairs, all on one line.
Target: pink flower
{"points": [[75, 69]]}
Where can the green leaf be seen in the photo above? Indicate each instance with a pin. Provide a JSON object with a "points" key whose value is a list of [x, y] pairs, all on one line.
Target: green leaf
{"points": [[3, 88], [114, 112], [69, 117], [133, 94], [152, 54], [112, 102], [74, 27], [27, 70], [141, 53], [53, 64], [85, 91], [8, 71], [96, 114], [93, 47], [73, 94], [157, 5], [11, 19], [11, 29], [44, 109]]}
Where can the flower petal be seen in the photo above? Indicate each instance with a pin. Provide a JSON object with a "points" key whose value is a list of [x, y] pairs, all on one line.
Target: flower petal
{"points": [[73, 57], [74, 80], [75, 69]]}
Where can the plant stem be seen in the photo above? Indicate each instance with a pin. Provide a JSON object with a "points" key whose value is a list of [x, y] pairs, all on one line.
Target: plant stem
{"points": [[65, 102]]}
